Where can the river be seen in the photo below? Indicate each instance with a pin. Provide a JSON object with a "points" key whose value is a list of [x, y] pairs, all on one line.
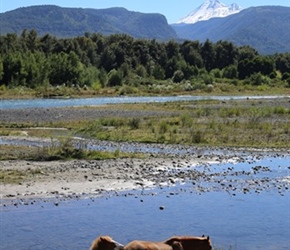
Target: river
{"points": [[69, 102]]}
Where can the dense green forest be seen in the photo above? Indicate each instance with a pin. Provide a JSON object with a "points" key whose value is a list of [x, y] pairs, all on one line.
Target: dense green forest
{"points": [[96, 61]]}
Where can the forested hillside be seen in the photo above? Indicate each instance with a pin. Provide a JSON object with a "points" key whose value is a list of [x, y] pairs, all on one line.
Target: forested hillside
{"points": [[264, 28], [97, 61], [72, 22]]}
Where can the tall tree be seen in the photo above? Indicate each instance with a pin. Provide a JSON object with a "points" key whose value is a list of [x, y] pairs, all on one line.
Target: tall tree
{"points": [[65, 69], [208, 54], [282, 63], [32, 41], [226, 54], [48, 44], [172, 49]]}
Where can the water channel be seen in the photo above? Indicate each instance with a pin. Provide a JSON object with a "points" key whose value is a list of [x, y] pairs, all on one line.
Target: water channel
{"points": [[69, 102]]}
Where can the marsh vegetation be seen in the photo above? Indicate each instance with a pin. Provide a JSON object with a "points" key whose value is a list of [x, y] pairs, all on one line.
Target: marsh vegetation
{"points": [[200, 123]]}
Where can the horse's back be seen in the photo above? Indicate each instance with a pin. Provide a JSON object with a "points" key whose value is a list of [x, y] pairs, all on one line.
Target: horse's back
{"points": [[147, 245]]}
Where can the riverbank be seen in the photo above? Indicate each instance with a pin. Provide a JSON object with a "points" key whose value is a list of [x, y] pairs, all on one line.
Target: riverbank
{"points": [[75, 179], [69, 92]]}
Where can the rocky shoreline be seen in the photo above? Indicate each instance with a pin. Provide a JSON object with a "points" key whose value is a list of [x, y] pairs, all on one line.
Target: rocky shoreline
{"points": [[64, 180], [70, 179]]}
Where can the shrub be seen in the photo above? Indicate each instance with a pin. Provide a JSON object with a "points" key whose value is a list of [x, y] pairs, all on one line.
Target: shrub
{"points": [[69, 150], [207, 79], [2, 88], [141, 71], [288, 82], [186, 120], [163, 127], [127, 90], [216, 73], [114, 78], [286, 76], [273, 75], [196, 137], [230, 72], [178, 76], [134, 123], [259, 79]]}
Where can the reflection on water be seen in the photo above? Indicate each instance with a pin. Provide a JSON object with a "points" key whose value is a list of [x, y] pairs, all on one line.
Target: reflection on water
{"points": [[251, 220]]}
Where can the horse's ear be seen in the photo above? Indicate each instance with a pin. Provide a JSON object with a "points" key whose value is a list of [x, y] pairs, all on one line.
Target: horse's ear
{"points": [[207, 237], [104, 238], [203, 235]]}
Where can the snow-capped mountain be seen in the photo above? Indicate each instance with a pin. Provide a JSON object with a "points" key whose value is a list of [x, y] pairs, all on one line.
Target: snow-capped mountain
{"points": [[210, 9]]}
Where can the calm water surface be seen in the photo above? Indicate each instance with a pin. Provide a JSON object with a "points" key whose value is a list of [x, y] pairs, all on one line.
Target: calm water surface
{"points": [[234, 220]]}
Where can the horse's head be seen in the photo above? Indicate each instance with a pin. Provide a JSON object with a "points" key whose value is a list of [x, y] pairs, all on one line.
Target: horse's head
{"points": [[207, 245], [105, 243], [188, 243]]}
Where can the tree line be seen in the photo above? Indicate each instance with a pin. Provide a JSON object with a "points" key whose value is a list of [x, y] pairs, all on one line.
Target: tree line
{"points": [[93, 59]]}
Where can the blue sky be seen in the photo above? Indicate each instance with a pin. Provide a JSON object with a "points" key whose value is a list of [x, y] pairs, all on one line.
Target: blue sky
{"points": [[173, 10]]}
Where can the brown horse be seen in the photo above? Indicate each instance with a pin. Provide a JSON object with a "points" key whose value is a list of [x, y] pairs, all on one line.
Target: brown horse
{"points": [[189, 243], [105, 243], [148, 245]]}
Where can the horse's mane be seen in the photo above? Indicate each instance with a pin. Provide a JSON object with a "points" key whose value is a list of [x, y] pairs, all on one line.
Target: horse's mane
{"points": [[178, 238]]}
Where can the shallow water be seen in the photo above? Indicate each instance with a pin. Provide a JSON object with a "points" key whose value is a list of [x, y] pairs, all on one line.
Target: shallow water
{"points": [[233, 219], [49, 103]]}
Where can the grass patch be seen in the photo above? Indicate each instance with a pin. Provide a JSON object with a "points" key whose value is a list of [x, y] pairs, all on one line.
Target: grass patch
{"points": [[65, 150], [248, 123], [11, 176]]}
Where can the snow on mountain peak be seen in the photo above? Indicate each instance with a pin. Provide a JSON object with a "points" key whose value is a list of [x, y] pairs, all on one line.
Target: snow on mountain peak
{"points": [[210, 9]]}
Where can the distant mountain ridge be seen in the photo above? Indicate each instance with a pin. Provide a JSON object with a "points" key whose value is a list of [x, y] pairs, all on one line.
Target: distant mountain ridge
{"points": [[265, 28], [210, 9], [70, 22]]}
